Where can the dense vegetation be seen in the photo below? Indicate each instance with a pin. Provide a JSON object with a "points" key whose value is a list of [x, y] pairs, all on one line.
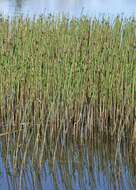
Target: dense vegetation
{"points": [[67, 76]]}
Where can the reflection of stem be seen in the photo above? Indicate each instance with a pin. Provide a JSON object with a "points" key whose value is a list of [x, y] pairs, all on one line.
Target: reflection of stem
{"points": [[24, 158], [45, 135], [10, 132], [134, 133], [16, 152], [36, 143], [54, 155]]}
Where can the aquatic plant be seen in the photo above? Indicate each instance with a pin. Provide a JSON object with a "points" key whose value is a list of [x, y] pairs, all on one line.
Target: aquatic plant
{"points": [[67, 77]]}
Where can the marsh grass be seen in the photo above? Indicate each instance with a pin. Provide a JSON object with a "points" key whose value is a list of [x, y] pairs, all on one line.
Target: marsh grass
{"points": [[62, 77]]}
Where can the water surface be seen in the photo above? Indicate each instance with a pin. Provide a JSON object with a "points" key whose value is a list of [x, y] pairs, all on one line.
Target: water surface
{"points": [[99, 165], [70, 7]]}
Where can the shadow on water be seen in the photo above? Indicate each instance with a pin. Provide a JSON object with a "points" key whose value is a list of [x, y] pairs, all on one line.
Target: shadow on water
{"points": [[99, 164]]}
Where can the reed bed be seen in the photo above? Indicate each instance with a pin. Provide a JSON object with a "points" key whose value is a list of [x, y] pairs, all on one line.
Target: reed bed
{"points": [[68, 77]]}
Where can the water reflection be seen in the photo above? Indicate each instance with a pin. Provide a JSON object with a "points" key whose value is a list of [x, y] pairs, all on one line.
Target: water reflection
{"points": [[18, 5], [100, 165], [72, 7]]}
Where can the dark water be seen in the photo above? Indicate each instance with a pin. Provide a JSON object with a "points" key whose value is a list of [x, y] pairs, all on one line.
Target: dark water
{"points": [[71, 7]]}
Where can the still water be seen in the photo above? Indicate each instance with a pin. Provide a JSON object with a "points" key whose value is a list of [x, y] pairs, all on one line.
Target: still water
{"points": [[70, 7], [99, 165]]}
